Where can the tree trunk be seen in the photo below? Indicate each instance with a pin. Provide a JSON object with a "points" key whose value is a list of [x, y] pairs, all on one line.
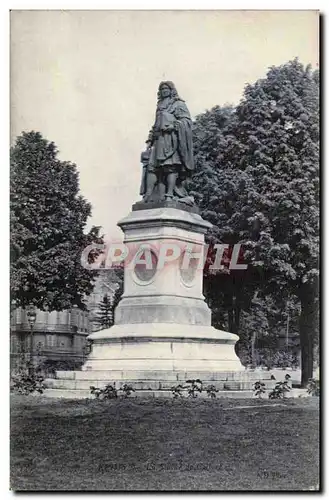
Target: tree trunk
{"points": [[253, 342], [230, 320], [307, 328], [234, 315], [237, 319]]}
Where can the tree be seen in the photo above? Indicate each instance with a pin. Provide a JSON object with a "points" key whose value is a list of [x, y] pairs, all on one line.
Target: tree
{"points": [[265, 188], [216, 186], [104, 317], [264, 324], [109, 281], [279, 135], [48, 218], [254, 326]]}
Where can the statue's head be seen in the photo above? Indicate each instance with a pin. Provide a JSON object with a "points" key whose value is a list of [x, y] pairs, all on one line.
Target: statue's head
{"points": [[167, 89]]}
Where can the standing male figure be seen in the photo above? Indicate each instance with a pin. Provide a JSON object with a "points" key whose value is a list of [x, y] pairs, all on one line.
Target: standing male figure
{"points": [[170, 147]]}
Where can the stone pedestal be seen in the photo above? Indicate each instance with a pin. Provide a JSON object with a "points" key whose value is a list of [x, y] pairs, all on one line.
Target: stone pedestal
{"points": [[162, 322]]}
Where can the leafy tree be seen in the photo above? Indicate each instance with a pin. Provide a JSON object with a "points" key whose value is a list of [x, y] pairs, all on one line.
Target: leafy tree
{"points": [[264, 187], [216, 187], [109, 281], [264, 323], [278, 132], [48, 218], [104, 317], [254, 325]]}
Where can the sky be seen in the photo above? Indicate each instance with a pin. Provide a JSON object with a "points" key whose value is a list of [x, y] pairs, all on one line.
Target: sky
{"points": [[88, 81]]}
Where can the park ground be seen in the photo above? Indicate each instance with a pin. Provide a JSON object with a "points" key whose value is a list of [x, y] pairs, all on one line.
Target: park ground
{"points": [[164, 445]]}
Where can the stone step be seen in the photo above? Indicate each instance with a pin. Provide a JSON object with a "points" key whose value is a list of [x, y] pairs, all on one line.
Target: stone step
{"points": [[178, 376], [149, 384], [67, 394], [85, 394]]}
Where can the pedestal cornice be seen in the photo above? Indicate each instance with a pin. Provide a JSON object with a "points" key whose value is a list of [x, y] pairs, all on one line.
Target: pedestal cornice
{"points": [[165, 217]]}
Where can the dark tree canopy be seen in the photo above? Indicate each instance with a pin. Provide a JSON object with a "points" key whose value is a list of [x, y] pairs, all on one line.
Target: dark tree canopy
{"points": [[48, 220], [257, 181]]}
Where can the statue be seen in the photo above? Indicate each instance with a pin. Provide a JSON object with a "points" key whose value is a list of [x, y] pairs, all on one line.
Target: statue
{"points": [[168, 160]]}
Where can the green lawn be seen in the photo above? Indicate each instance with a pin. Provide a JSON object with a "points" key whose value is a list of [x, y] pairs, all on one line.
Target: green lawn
{"points": [[164, 444]]}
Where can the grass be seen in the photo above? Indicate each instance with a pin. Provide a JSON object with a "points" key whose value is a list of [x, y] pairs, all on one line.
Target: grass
{"points": [[164, 445]]}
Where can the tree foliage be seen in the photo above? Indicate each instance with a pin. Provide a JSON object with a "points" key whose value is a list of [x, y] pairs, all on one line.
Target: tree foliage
{"points": [[278, 136], [48, 218], [258, 183]]}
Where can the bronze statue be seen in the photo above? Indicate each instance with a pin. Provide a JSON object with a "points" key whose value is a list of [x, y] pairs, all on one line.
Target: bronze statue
{"points": [[168, 160]]}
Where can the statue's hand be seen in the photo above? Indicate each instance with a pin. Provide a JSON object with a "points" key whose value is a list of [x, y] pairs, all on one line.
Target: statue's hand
{"points": [[169, 128]]}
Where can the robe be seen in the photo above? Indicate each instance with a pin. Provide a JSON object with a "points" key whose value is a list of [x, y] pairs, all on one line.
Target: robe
{"points": [[172, 148]]}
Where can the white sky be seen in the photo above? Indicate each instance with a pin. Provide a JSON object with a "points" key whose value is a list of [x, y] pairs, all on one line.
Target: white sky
{"points": [[87, 80]]}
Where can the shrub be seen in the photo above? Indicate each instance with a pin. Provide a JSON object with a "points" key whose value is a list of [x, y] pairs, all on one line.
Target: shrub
{"points": [[109, 392], [278, 359], [281, 389], [283, 359], [259, 389], [177, 391], [313, 387], [194, 387], [27, 380], [50, 366], [245, 356], [211, 391], [95, 391], [127, 390]]}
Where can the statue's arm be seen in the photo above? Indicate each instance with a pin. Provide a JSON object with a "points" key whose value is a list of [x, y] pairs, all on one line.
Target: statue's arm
{"points": [[181, 112], [152, 133]]}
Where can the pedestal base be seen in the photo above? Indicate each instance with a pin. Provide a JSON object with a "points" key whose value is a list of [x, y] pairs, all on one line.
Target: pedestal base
{"points": [[163, 346]]}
